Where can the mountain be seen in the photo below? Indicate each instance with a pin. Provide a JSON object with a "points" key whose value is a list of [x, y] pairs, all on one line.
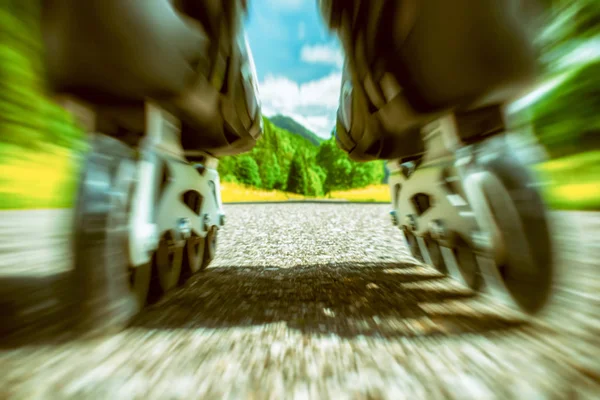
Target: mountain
{"points": [[292, 126]]}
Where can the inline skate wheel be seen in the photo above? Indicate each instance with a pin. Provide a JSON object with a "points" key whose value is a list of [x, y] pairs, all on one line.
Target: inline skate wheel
{"points": [[210, 246], [193, 257], [107, 290], [524, 279], [410, 240], [434, 255], [461, 264], [167, 265]]}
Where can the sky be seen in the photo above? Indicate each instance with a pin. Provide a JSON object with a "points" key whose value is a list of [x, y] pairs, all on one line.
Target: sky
{"points": [[298, 62]]}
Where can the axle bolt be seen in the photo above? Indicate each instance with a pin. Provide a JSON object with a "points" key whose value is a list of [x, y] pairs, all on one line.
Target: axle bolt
{"points": [[184, 226], [394, 217], [411, 222], [206, 222]]}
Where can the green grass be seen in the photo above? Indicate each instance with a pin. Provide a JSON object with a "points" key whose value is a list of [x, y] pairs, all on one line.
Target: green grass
{"points": [[234, 192], [37, 179], [47, 179], [369, 194], [573, 182]]}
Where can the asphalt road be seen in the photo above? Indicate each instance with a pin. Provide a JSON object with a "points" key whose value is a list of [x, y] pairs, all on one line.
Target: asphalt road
{"points": [[309, 301]]}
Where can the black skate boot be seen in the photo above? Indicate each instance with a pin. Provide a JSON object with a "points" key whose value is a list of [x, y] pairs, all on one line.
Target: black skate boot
{"points": [[425, 85], [164, 89]]}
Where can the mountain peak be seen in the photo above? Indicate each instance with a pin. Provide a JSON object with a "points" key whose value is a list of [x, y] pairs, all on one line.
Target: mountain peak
{"points": [[296, 128]]}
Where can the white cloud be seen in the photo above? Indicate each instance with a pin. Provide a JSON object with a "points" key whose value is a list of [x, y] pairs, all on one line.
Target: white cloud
{"points": [[313, 104], [322, 54]]}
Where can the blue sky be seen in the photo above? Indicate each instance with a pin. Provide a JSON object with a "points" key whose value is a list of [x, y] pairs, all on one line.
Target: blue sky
{"points": [[298, 62]]}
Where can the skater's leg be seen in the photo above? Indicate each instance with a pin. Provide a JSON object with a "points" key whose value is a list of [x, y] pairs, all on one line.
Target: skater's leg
{"points": [[163, 90], [424, 87]]}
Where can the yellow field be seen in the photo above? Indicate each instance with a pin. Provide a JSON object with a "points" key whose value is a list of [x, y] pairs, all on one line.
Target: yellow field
{"points": [[379, 193], [47, 179], [573, 182], [37, 179], [233, 192]]}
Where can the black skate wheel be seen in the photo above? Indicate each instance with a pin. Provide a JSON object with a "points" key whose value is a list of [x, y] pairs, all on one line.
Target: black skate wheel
{"points": [[167, 265], [210, 246], [139, 283], [413, 246], [468, 266], [193, 257], [107, 292], [462, 264], [435, 256], [525, 277]]}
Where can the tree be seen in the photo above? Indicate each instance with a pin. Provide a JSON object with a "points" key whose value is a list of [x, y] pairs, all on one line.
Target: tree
{"points": [[270, 171], [367, 173], [227, 166], [247, 171], [297, 181], [565, 118], [340, 175], [315, 184], [568, 23]]}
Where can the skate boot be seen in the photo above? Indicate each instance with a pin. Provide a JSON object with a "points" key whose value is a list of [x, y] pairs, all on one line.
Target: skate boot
{"points": [[424, 87], [164, 89]]}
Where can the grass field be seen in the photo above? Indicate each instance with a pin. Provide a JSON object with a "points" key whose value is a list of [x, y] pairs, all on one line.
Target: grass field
{"points": [[46, 179], [374, 193], [572, 183], [234, 193], [37, 179]]}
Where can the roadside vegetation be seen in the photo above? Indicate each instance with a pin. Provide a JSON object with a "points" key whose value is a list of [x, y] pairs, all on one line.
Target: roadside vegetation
{"points": [[41, 147]]}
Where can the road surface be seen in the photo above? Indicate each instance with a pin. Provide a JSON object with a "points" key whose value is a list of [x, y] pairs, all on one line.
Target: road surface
{"points": [[311, 301]]}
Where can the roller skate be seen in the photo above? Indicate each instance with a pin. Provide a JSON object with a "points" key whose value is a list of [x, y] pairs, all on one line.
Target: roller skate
{"points": [[424, 86], [163, 88]]}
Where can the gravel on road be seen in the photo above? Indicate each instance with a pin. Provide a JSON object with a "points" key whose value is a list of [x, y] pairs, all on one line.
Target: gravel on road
{"points": [[323, 301]]}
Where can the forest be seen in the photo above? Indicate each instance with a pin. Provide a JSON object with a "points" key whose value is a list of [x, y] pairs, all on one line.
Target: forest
{"points": [[291, 162]]}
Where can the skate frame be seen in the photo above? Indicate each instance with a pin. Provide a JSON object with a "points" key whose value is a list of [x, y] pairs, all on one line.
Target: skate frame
{"points": [[171, 195], [442, 204]]}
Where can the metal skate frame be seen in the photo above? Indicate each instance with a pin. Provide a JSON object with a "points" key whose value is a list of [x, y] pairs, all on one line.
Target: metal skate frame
{"points": [[171, 195], [442, 203]]}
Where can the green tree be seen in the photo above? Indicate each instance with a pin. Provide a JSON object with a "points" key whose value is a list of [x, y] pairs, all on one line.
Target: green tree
{"points": [[568, 24], [367, 173], [29, 118], [321, 174], [297, 181], [227, 169], [315, 184], [565, 117], [270, 171], [247, 171]]}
